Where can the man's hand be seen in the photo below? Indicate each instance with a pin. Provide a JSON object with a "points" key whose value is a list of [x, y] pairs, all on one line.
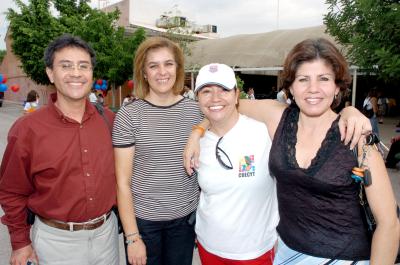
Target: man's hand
{"points": [[352, 125], [23, 255]]}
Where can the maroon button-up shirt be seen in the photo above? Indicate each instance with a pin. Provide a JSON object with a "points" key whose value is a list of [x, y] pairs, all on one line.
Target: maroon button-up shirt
{"points": [[58, 168]]}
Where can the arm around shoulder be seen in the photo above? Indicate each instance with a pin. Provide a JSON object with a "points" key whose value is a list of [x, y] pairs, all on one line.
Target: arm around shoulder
{"points": [[267, 111]]}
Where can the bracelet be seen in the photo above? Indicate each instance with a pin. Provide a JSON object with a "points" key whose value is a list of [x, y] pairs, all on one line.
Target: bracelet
{"points": [[200, 128], [132, 234], [131, 241]]}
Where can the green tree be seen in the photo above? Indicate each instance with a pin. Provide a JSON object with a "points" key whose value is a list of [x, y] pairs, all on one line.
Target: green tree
{"points": [[2, 54], [370, 30], [35, 26], [121, 69], [240, 85]]}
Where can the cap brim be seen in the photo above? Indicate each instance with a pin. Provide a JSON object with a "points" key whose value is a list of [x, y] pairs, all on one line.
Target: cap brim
{"points": [[197, 89]]}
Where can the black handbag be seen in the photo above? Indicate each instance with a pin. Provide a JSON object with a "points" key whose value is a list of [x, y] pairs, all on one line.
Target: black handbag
{"points": [[366, 209], [369, 113]]}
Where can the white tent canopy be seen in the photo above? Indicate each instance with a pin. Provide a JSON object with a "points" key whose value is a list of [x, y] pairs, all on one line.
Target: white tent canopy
{"points": [[251, 50], [263, 52]]}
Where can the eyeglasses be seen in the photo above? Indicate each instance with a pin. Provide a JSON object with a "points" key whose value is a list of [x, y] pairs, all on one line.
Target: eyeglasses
{"points": [[70, 67], [222, 157]]}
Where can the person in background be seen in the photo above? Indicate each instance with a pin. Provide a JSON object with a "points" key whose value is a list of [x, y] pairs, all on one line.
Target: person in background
{"points": [[393, 157], [370, 107], [156, 198], [127, 99], [188, 93], [272, 94], [100, 99], [32, 102], [313, 164], [234, 178], [283, 96], [1, 99], [54, 167], [92, 96], [250, 93], [383, 102]]}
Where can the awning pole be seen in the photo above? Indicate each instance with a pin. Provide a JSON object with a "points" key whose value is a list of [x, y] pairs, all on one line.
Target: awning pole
{"points": [[353, 96]]}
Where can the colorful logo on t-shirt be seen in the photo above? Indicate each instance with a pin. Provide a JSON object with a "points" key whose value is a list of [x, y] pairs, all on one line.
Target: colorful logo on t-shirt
{"points": [[246, 166]]}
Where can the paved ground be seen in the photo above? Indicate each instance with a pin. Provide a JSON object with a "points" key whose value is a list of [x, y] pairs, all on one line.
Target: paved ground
{"points": [[10, 112]]}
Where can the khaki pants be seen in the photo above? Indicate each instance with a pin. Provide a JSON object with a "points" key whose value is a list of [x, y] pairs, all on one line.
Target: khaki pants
{"points": [[85, 247]]}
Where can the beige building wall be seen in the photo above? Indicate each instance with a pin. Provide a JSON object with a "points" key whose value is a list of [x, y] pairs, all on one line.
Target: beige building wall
{"points": [[123, 7]]}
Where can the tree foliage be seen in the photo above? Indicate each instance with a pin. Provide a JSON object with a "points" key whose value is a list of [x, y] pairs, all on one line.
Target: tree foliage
{"points": [[370, 30], [36, 25], [2, 54]]}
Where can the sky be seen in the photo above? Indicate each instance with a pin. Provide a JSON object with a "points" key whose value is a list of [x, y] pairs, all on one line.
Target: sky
{"points": [[231, 17]]}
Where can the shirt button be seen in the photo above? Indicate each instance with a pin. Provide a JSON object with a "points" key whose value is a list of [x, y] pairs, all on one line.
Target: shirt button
{"points": [[81, 126], [90, 199], [85, 150], [87, 174]]}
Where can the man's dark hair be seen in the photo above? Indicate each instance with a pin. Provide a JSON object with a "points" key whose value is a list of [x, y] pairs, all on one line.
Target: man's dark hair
{"points": [[63, 41]]}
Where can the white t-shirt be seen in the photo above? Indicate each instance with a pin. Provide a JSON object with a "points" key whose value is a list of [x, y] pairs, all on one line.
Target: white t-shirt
{"points": [[189, 94], [126, 101], [31, 106], [281, 96], [92, 97], [238, 209], [367, 103]]}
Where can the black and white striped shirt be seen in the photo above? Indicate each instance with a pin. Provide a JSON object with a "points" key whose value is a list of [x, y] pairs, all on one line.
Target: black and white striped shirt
{"points": [[160, 186]]}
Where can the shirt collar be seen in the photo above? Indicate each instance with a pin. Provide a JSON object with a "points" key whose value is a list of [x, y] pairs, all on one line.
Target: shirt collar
{"points": [[89, 110]]}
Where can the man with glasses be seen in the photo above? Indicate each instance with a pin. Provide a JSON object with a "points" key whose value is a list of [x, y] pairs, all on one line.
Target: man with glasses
{"points": [[55, 173]]}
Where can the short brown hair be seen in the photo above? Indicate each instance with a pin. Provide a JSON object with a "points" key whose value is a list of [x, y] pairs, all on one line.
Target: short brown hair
{"points": [[153, 43], [314, 49]]}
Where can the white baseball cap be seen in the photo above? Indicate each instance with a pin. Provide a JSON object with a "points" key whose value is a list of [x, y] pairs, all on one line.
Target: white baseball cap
{"points": [[215, 74]]}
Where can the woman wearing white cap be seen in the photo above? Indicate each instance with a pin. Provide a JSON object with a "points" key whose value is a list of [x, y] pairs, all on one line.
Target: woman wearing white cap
{"points": [[238, 212]]}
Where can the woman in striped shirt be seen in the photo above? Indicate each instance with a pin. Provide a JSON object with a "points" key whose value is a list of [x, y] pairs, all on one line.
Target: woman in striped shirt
{"points": [[155, 195]]}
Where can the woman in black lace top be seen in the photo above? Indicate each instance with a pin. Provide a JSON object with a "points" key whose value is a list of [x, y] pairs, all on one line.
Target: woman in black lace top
{"points": [[320, 213]]}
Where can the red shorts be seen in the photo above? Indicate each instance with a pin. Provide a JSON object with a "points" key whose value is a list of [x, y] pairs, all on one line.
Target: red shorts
{"points": [[210, 259]]}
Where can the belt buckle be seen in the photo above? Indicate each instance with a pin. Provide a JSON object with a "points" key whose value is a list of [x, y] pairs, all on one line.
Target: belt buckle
{"points": [[71, 226], [101, 219]]}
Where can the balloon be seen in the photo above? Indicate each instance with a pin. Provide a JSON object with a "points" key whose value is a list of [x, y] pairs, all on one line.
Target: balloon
{"points": [[1, 78], [130, 84], [97, 87], [104, 86], [104, 82], [15, 88], [99, 81], [4, 79], [3, 88]]}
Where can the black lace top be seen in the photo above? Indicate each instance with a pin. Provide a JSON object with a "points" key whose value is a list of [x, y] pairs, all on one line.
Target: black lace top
{"points": [[318, 206]]}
